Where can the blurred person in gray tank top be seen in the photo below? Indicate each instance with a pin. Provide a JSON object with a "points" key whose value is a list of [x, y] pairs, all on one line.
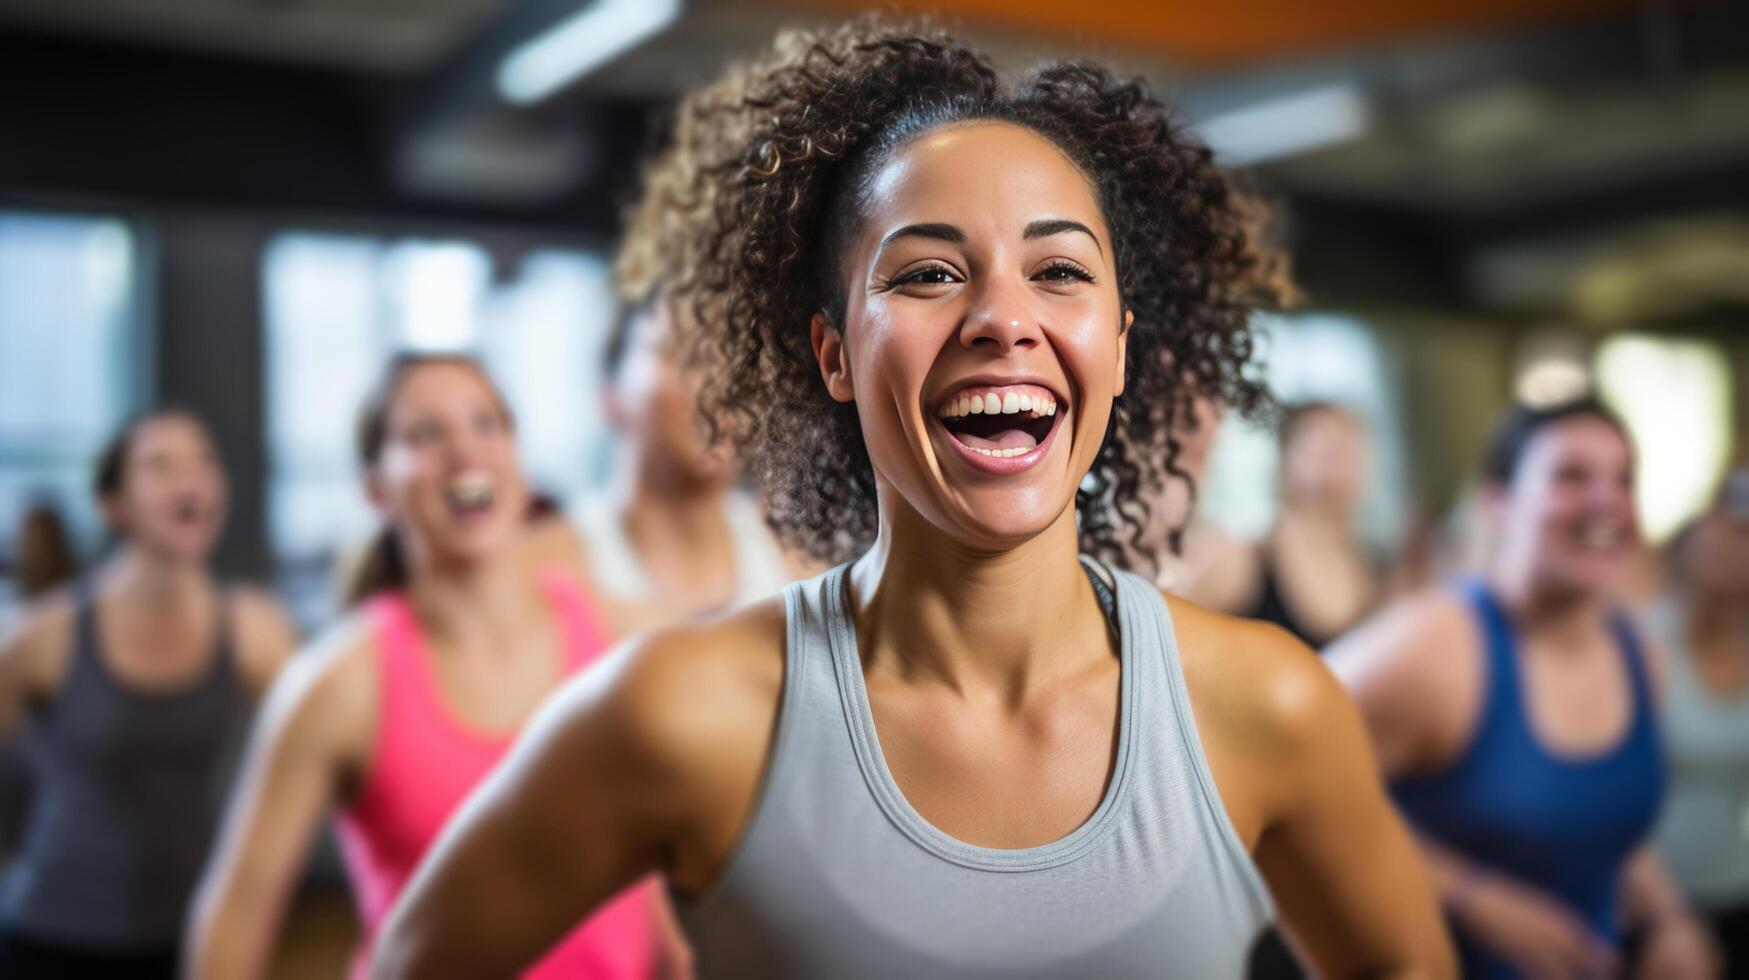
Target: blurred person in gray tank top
{"points": [[132, 685], [948, 324], [1703, 624]]}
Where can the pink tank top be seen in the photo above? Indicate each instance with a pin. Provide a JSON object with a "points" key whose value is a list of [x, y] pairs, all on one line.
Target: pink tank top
{"points": [[427, 761]]}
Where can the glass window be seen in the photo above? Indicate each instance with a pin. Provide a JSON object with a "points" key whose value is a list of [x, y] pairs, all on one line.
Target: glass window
{"points": [[69, 346], [1312, 357], [1675, 397]]}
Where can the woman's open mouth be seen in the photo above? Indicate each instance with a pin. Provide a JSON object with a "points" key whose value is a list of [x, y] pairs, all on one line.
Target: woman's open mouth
{"points": [[1000, 428]]}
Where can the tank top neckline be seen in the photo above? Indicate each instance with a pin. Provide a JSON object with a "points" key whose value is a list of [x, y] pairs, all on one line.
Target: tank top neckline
{"points": [[88, 647], [1508, 695], [408, 637], [853, 691]]}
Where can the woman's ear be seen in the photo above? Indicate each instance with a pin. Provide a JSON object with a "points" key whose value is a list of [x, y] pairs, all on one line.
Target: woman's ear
{"points": [[374, 491], [829, 352], [1123, 346], [114, 515]]}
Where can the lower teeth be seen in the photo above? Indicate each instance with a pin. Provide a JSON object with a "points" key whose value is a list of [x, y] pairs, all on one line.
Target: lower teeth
{"points": [[1003, 453]]}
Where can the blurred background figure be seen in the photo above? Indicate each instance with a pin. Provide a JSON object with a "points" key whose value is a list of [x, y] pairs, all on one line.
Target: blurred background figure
{"points": [[1515, 718], [133, 684], [409, 702], [45, 552], [1703, 624], [1313, 576], [1211, 566], [673, 536]]}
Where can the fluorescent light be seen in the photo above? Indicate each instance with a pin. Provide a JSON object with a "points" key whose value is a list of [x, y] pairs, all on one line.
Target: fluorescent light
{"points": [[578, 44], [1288, 125]]}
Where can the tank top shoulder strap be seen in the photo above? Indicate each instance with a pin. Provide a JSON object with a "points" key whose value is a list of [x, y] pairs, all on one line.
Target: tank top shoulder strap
{"points": [[1501, 698], [84, 625], [395, 628], [584, 636], [613, 563], [1633, 652], [224, 670], [1499, 641], [759, 564]]}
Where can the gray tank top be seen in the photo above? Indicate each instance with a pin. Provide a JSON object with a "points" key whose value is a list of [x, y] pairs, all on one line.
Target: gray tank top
{"points": [[837, 876], [126, 798], [1703, 831]]}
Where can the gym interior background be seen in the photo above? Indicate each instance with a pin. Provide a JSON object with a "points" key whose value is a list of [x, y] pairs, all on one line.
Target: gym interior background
{"points": [[244, 206]]}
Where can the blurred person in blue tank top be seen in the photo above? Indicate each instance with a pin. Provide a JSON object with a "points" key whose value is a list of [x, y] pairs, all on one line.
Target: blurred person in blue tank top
{"points": [[1514, 717]]}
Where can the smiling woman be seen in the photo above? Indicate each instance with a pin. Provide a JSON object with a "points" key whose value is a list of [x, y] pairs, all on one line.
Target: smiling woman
{"points": [[949, 325]]}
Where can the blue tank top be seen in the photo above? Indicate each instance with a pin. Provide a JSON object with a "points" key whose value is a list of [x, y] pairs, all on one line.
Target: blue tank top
{"points": [[1564, 825]]}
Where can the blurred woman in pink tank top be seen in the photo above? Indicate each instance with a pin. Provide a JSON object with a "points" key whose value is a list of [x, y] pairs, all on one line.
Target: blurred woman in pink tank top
{"points": [[408, 704]]}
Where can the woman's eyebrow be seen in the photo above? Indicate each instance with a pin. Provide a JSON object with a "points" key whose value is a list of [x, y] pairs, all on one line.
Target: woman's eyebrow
{"points": [[936, 230], [1046, 227]]}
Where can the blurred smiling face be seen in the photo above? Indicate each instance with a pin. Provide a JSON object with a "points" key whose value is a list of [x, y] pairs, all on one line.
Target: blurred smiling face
{"points": [[448, 476], [173, 494], [1572, 502], [984, 339]]}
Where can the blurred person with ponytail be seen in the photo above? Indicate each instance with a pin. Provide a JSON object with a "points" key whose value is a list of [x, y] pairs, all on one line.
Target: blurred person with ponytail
{"points": [[402, 708], [133, 682]]}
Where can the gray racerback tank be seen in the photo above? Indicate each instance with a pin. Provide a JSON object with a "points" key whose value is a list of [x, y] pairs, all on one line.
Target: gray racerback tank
{"points": [[837, 876], [127, 793]]}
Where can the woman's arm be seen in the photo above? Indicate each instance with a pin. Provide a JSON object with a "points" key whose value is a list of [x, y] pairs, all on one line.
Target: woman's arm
{"points": [[33, 656], [311, 731], [1676, 946], [1351, 885], [1297, 776], [647, 762], [265, 639]]}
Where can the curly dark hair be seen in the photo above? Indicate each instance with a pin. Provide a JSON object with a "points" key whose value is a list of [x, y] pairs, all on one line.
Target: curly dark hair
{"points": [[777, 156]]}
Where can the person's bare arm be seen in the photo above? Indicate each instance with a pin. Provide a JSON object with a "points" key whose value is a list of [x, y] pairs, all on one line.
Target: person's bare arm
{"points": [[34, 649], [313, 729], [646, 762], [1676, 946], [265, 638], [1415, 672], [1298, 777]]}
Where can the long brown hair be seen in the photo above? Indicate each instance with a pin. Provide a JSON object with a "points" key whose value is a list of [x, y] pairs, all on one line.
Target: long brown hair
{"points": [[384, 564]]}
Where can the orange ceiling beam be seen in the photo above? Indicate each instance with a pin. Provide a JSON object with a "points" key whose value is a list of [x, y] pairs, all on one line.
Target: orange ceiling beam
{"points": [[1243, 30]]}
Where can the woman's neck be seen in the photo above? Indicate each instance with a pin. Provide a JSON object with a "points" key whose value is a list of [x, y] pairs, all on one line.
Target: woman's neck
{"points": [[1718, 623], [662, 509], [488, 604], [677, 527], [1309, 518], [1567, 616], [146, 578], [1002, 621]]}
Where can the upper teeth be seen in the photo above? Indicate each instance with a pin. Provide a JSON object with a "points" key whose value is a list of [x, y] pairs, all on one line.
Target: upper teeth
{"points": [[1007, 403], [471, 489]]}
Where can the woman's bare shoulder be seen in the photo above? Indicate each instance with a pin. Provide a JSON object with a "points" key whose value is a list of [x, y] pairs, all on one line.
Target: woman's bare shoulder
{"points": [[325, 697], [686, 690]]}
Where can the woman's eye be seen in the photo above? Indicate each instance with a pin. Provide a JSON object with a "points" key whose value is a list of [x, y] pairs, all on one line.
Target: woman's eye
{"points": [[1065, 272], [933, 275]]}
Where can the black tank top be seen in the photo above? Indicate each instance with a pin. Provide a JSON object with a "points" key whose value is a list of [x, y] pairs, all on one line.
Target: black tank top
{"points": [[127, 793], [1272, 607]]}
